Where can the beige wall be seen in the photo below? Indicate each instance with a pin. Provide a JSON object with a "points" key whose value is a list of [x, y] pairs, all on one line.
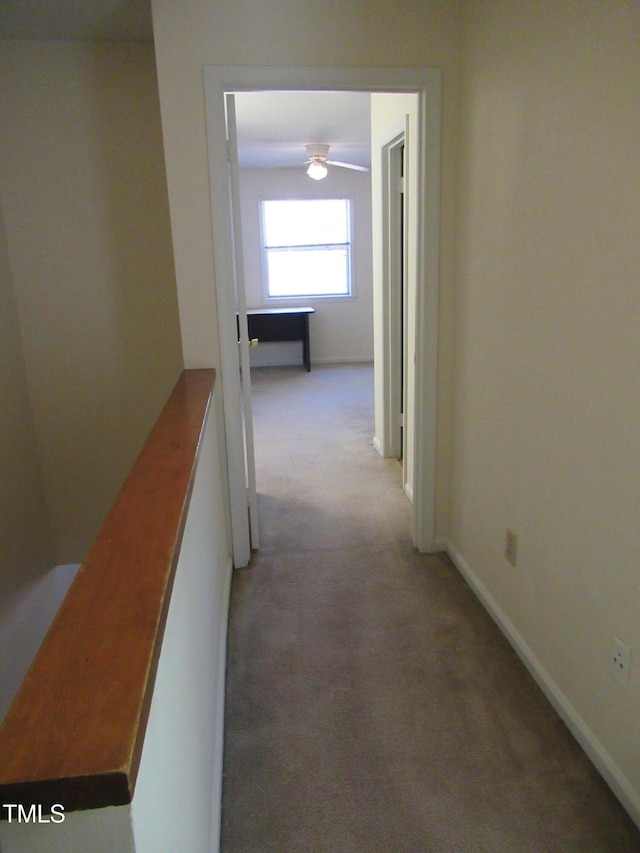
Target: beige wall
{"points": [[196, 33], [547, 343], [83, 190], [340, 330], [26, 549]]}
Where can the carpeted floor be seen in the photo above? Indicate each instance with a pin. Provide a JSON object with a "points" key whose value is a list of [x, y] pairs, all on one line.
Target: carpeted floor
{"points": [[372, 704]]}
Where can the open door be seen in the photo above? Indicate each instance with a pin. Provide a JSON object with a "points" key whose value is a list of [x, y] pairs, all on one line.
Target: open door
{"points": [[232, 327], [243, 332]]}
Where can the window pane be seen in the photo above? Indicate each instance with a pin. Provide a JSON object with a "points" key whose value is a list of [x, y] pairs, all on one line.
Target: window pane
{"points": [[308, 272], [309, 222], [307, 247]]}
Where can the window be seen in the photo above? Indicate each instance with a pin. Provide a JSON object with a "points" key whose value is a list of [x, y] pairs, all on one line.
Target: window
{"points": [[307, 246]]}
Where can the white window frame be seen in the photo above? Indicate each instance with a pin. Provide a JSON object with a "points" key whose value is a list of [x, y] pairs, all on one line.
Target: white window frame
{"points": [[268, 297]]}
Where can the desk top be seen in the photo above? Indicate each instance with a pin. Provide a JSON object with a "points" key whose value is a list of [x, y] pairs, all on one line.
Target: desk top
{"points": [[303, 310]]}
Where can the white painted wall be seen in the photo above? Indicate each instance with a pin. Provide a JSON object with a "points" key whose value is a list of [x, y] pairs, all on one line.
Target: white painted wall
{"points": [[25, 618], [547, 350], [341, 329], [26, 544], [176, 805], [89, 255]]}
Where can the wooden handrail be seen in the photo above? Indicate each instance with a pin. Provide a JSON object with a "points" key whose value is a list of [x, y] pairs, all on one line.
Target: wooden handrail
{"points": [[75, 731]]}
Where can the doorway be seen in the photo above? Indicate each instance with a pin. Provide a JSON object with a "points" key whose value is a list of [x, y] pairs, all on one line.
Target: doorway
{"points": [[425, 84]]}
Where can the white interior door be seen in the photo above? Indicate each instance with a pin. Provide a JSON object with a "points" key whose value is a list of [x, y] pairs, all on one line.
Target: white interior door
{"points": [[241, 311], [241, 308]]}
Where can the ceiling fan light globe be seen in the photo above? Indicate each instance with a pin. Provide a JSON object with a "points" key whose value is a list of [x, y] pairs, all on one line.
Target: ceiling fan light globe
{"points": [[317, 171]]}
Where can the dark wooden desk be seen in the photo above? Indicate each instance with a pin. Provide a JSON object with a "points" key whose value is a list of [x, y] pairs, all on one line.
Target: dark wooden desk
{"points": [[282, 324]]}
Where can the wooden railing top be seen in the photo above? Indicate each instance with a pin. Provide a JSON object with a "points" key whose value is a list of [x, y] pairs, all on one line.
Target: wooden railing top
{"points": [[75, 731]]}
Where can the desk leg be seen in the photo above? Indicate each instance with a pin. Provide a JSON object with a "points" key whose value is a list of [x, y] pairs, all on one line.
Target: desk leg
{"points": [[306, 354]]}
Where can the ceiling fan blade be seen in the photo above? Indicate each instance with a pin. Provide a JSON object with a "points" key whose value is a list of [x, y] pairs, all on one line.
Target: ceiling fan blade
{"points": [[347, 166]]}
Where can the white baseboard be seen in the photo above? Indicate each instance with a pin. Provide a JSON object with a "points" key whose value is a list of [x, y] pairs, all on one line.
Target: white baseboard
{"points": [[609, 770], [377, 447], [408, 491]]}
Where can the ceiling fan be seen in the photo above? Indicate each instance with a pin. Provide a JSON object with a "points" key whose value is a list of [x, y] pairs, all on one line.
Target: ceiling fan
{"points": [[317, 162]]}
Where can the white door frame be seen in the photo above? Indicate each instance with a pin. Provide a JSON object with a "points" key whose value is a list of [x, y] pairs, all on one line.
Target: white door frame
{"points": [[426, 83]]}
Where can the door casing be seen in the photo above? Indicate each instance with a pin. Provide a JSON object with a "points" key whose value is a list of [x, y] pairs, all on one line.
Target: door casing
{"points": [[427, 84]]}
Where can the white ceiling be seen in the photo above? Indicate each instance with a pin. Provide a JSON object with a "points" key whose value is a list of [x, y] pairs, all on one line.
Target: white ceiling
{"points": [[273, 127]]}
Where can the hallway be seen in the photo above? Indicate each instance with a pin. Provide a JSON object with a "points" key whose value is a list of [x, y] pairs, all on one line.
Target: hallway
{"points": [[372, 704]]}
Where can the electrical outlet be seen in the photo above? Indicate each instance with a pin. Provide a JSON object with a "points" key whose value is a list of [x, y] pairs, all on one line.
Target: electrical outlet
{"points": [[620, 661], [511, 547]]}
